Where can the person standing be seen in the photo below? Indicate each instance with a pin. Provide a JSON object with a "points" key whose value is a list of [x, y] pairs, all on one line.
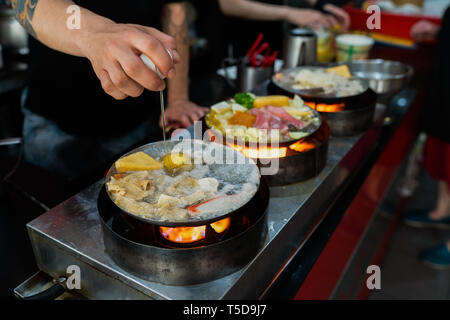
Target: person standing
{"points": [[435, 122], [248, 18], [90, 96]]}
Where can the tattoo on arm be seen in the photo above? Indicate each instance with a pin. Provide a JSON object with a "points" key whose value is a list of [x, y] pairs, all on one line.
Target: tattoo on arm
{"points": [[24, 13], [174, 23]]}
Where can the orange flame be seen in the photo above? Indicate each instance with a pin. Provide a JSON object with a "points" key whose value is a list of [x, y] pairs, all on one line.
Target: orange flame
{"points": [[322, 107], [183, 234], [261, 152], [302, 145], [268, 152], [193, 234], [221, 225]]}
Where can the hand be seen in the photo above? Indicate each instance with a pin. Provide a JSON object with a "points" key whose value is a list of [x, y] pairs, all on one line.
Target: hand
{"points": [[183, 113], [307, 17], [424, 30], [340, 14], [114, 54]]}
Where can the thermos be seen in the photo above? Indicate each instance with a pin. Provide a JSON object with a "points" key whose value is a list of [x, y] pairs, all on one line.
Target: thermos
{"points": [[300, 48]]}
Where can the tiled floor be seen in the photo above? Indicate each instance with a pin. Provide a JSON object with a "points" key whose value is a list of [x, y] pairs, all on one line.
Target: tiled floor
{"points": [[403, 276]]}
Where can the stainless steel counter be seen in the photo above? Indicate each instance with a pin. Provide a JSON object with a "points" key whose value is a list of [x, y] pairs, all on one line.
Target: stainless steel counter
{"points": [[70, 234]]}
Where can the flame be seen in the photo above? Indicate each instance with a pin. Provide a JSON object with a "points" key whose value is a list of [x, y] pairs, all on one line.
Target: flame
{"points": [[261, 152], [303, 145], [183, 234], [268, 152], [221, 225], [193, 234], [323, 107]]}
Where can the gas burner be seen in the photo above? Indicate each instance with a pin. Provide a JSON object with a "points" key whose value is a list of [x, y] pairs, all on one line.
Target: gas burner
{"points": [[184, 254], [294, 161]]}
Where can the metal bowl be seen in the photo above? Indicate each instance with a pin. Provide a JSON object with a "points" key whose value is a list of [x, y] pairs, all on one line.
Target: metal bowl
{"points": [[385, 77]]}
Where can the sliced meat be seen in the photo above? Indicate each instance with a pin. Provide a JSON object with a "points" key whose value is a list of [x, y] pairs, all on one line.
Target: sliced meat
{"points": [[262, 118], [274, 118], [282, 114]]}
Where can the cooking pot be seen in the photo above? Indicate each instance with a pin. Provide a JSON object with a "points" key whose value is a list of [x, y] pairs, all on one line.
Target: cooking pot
{"points": [[241, 170]]}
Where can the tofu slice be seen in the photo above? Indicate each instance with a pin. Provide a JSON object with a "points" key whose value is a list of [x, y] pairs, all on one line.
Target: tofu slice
{"points": [[341, 70], [138, 161]]}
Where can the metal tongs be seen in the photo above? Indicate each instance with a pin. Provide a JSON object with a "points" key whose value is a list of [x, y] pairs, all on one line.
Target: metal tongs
{"points": [[149, 63]]}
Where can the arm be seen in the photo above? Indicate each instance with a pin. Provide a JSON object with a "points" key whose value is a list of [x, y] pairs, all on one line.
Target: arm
{"points": [[333, 7], [179, 109], [253, 10], [174, 24], [261, 11], [320, 3], [112, 48]]}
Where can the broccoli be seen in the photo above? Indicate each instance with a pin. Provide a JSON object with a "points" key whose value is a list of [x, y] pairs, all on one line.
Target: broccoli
{"points": [[245, 99]]}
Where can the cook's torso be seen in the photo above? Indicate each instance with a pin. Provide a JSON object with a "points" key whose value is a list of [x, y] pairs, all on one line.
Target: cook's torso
{"points": [[66, 90]]}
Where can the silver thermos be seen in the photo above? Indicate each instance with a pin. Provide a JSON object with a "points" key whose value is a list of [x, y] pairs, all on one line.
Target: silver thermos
{"points": [[300, 48]]}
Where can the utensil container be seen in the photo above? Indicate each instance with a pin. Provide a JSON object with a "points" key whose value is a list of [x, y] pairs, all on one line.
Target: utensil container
{"points": [[249, 78], [300, 48]]}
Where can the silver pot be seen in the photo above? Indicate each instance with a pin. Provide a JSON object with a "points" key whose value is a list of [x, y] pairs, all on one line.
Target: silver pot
{"points": [[13, 36]]}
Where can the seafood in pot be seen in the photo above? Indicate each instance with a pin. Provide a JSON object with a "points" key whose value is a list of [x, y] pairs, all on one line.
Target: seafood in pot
{"points": [[180, 189]]}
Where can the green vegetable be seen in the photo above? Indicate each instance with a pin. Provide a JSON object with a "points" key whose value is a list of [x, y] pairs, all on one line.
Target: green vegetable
{"points": [[297, 134], [245, 99], [297, 102]]}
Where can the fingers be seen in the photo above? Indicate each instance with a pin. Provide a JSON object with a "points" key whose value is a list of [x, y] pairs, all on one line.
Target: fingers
{"points": [[182, 120], [133, 66], [176, 56], [194, 116], [321, 20], [166, 40], [201, 111], [196, 113], [123, 82], [185, 121], [331, 21], [155, 50], [340, 14], [184, 114], [109, 87]]}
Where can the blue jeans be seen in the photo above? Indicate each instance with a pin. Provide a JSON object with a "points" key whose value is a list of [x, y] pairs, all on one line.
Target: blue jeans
{"points": [[47, 146]]}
